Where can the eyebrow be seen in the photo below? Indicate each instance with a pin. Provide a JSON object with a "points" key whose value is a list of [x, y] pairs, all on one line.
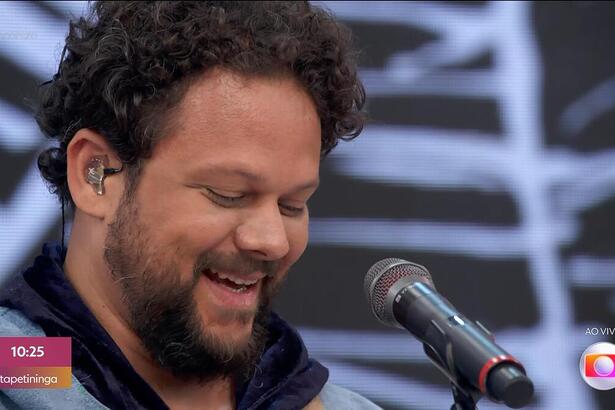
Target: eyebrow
{"points": [[251, 176]]}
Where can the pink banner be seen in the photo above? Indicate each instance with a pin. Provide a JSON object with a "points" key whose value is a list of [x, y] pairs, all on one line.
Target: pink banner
{"points": [[35, 352]]}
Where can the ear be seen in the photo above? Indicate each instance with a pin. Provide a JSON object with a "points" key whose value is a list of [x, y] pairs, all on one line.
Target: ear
{"points": [[86, 145]]}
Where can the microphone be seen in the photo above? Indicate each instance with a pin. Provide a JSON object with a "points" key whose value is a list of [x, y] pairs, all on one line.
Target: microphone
{"points": [[402, 294]]}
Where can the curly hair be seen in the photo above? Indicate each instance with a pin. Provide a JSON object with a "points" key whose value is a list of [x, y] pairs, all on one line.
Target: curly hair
{"points": [[127, 64]]}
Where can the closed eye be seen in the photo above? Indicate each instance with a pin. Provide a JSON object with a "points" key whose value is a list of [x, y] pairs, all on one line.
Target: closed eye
{"points": [[229, 201], [291, 210], [223, 200]]}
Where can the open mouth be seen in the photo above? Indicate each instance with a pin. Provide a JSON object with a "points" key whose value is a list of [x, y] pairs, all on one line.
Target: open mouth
{"points": [[233, 283]]}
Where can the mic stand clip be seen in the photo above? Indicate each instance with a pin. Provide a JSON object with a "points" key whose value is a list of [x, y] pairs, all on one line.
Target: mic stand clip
{"points": [[465, 396]]}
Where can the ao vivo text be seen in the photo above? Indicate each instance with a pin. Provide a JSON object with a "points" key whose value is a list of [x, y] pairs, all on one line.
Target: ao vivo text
{"points": [[604, 331]]}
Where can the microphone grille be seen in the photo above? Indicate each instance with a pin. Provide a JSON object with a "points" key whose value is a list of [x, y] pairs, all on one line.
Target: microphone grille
{"points": [[382, 276]]}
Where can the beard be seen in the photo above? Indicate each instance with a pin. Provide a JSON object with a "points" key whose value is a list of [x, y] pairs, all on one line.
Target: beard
{"points": [[163, 311]]}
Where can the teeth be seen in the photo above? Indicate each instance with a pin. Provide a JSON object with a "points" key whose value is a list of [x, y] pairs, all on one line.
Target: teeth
{"points": [[236, 281]]}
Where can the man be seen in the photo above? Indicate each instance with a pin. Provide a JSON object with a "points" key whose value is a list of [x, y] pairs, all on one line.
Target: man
{"points": [[190, 136]]}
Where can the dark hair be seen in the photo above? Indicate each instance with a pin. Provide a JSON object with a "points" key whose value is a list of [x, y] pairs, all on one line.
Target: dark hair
{"points": [[128, 63]]}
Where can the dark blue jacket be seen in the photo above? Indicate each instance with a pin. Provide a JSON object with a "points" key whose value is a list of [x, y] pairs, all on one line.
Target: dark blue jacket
{"points": [[42, 298]]}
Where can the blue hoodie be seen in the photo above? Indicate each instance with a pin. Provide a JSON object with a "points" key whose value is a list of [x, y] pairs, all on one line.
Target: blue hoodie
{"points": [[42, 302]]}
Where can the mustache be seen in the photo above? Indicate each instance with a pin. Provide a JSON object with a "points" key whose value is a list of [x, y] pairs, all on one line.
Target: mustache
{"points": [[237, 263]]}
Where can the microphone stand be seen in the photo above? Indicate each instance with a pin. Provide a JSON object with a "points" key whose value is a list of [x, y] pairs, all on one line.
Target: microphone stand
{"points": [[464, 400], [465, 395]]}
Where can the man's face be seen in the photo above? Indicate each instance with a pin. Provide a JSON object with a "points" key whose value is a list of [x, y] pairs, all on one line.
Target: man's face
{"points": [[217, 218]]}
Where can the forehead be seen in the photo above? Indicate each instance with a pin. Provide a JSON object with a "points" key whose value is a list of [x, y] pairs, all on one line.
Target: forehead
{"points": [[226, 116]]}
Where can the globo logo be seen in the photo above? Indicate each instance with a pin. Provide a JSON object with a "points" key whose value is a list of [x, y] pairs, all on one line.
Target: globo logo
{"points": [[597, 366]]}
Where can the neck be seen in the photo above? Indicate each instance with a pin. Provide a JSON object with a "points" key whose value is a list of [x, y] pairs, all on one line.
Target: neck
{"points": [[85, 268]]}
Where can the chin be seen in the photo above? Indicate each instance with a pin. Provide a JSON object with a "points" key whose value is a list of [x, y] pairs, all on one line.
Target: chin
{"points": [[229, 324]]}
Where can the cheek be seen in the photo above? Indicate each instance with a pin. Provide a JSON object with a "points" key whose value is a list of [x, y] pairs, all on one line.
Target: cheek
{"points": [[297, 239], [185, 229], [192, 235]]}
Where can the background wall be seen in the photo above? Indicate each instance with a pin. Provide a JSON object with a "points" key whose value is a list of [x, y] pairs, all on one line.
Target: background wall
{"points": [[489, 158]]}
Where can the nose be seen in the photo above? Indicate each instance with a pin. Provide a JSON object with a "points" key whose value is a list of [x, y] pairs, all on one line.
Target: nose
{"points": [[263, 233]]}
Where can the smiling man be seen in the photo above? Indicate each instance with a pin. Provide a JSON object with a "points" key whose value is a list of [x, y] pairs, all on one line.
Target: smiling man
{"points": [[190, 138]]}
